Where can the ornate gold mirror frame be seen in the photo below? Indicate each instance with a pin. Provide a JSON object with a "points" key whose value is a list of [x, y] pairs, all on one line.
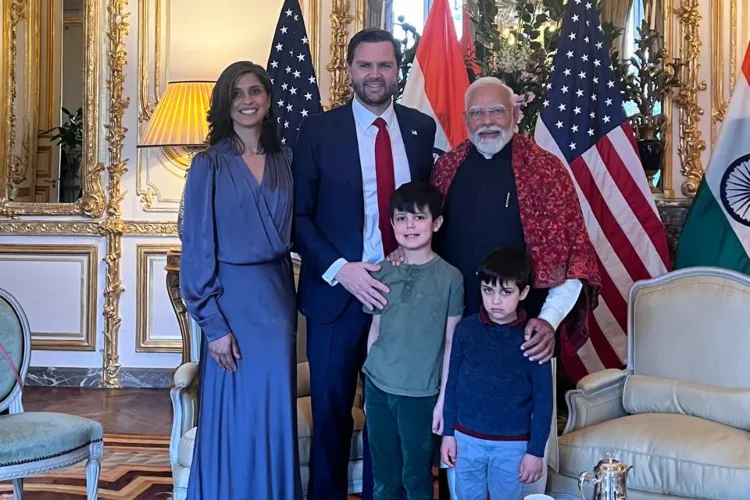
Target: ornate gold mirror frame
{"points": [[19, 113]]}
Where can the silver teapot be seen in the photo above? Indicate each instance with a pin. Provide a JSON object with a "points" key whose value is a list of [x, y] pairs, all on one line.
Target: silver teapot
{"points": [[609, 479]]}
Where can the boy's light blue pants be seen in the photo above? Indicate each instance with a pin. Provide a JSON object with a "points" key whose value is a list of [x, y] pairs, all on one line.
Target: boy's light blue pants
{"points": [[488, 467]]}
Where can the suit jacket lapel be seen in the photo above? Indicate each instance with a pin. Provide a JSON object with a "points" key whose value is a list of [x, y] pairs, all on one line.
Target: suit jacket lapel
{"points": [[346, 135], [411, 142]]}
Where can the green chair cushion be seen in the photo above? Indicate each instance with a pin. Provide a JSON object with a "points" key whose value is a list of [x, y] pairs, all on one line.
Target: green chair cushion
{"points": [[11, 337], [30, 437]]}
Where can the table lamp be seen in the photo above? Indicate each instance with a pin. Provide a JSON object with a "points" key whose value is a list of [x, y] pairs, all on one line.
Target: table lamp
{"points": [[179, 121]]}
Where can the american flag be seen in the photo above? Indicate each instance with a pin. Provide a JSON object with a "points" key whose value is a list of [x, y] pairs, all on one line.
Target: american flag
{"points": [[584, 124], [295, 88]]}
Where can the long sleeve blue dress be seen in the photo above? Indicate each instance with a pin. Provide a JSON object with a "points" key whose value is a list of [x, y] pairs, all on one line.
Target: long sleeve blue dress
{"points": [[236, 276]]}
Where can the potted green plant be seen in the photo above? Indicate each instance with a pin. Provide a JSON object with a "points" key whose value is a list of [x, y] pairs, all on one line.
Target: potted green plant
{"points": [[646, 86], [69, 136]]}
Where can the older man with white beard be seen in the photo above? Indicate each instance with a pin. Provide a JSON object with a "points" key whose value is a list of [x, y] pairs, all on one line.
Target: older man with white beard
{"points": [[501, 189]]}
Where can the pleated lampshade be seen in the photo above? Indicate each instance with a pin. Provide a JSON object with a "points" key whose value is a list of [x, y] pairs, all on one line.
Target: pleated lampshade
{"points": [[180, 116]]}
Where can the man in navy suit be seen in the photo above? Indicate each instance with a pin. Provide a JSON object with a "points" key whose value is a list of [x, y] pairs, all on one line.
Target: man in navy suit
{"points": [[347, 162]]}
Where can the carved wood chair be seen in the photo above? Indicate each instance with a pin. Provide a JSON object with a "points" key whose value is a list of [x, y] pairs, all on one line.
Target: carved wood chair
{"points": [[36, 442]]}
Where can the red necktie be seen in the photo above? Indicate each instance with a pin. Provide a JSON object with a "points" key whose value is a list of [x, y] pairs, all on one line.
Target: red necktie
{"points": [[386, 184]]}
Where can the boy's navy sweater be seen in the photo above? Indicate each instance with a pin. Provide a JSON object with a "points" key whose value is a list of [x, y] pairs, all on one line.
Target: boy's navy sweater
{"points": [[493, 392]]}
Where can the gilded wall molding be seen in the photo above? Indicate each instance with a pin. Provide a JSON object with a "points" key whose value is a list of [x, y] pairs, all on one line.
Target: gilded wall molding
{"points": [[145, 105], [88, 293], [50, 228], [341, 18], [313, 29], [733, 37], [720, 102], [14, 171], [360, 15], [113, 226], [691, 144], [667, 106], [144, 306], [130, 228], [142, 228]]}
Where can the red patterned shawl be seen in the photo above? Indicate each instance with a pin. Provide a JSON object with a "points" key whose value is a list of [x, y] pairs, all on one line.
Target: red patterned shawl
{"points": [[553, 227]]}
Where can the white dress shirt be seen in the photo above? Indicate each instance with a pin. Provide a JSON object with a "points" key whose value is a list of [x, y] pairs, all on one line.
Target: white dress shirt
{"points": [[560, 301], [366, 134]]}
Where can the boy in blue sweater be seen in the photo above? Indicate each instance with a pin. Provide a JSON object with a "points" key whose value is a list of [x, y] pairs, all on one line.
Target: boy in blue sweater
{"points": [[498, 404]]}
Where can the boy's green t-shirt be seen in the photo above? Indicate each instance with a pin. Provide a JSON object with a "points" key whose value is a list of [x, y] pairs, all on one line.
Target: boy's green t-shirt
{"points": [[406, 359]]}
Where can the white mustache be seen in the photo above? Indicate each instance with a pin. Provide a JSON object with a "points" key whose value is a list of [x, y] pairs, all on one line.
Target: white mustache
{"points": [[491, 128]]}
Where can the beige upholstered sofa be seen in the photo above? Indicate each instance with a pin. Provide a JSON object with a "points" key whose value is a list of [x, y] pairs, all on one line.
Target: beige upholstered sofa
{"points": [[680, 413], [184, 397]]}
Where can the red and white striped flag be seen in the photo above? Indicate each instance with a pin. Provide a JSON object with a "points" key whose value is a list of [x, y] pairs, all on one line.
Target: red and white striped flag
{"points": [[438, 80], [584, 124]]}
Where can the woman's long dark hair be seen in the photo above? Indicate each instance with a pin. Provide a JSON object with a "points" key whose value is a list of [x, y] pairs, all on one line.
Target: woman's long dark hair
{"points": [[220, 125]]}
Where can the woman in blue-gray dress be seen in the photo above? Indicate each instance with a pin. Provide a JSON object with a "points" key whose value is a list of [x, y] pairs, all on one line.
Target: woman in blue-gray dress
{"points": [[237, 282]]}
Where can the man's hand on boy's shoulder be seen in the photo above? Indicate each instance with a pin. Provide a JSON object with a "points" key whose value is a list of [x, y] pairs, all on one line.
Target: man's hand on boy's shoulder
{"points": [[396, 257], [531, 469], [355, 277], [540, 340]]}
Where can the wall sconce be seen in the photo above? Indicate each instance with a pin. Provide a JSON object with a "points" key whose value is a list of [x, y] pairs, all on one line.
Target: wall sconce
{"points": [[179, 121]]}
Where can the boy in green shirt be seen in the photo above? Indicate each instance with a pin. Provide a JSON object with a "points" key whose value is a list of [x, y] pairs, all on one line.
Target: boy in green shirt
{"points": [[408, 349]]}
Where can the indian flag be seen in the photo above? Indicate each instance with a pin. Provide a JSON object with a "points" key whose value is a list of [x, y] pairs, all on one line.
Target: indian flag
{"points": [[438, 79], [717, 228]]}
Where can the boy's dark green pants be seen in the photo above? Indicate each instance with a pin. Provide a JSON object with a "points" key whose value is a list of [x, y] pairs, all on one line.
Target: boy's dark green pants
{"points": [[401, 444]]}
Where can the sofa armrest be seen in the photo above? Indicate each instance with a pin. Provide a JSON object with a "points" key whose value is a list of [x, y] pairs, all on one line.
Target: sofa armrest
{"points": [[303, 379], [184, 396], [596, 399]]}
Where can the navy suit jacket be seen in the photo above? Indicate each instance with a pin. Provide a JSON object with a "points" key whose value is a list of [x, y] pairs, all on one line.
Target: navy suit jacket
{"points": [[329, 208]]}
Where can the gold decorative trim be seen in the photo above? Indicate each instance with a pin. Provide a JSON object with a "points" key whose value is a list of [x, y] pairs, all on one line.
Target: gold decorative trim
{"points": [[113, 226], [732, 44], [667, 188], [50, 228], [139, 228], [88, 294], [145, 105], [360, 15], [341, 18], [313, 28], [14, 169], [85, 228], [143, 307], [14, 12], [720, 104], [691, 144]]}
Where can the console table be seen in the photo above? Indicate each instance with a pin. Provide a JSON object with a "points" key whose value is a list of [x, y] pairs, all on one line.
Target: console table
{"points": [[173, 289]]}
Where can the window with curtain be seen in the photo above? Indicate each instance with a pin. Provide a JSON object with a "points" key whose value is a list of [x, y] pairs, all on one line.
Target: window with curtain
{"points": [[415, 13]]}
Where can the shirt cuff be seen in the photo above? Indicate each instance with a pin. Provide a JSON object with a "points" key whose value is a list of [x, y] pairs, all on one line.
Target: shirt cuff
{"points": [[214, 327], [560, 301], [330, 275]]}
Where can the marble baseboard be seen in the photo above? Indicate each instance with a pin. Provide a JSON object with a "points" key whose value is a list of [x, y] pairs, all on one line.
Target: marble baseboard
{"points": [[145, 378]]}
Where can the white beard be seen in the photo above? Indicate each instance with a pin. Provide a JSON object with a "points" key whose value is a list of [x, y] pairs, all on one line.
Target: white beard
{"points": [[490, 146]]}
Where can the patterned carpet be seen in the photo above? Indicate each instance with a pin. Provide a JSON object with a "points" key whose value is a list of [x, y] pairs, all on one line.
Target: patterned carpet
{"points": [[133, 468]]}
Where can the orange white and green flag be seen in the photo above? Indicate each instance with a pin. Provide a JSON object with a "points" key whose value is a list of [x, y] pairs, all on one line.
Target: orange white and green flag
{"points": [[717, 228], [438, 79]]}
